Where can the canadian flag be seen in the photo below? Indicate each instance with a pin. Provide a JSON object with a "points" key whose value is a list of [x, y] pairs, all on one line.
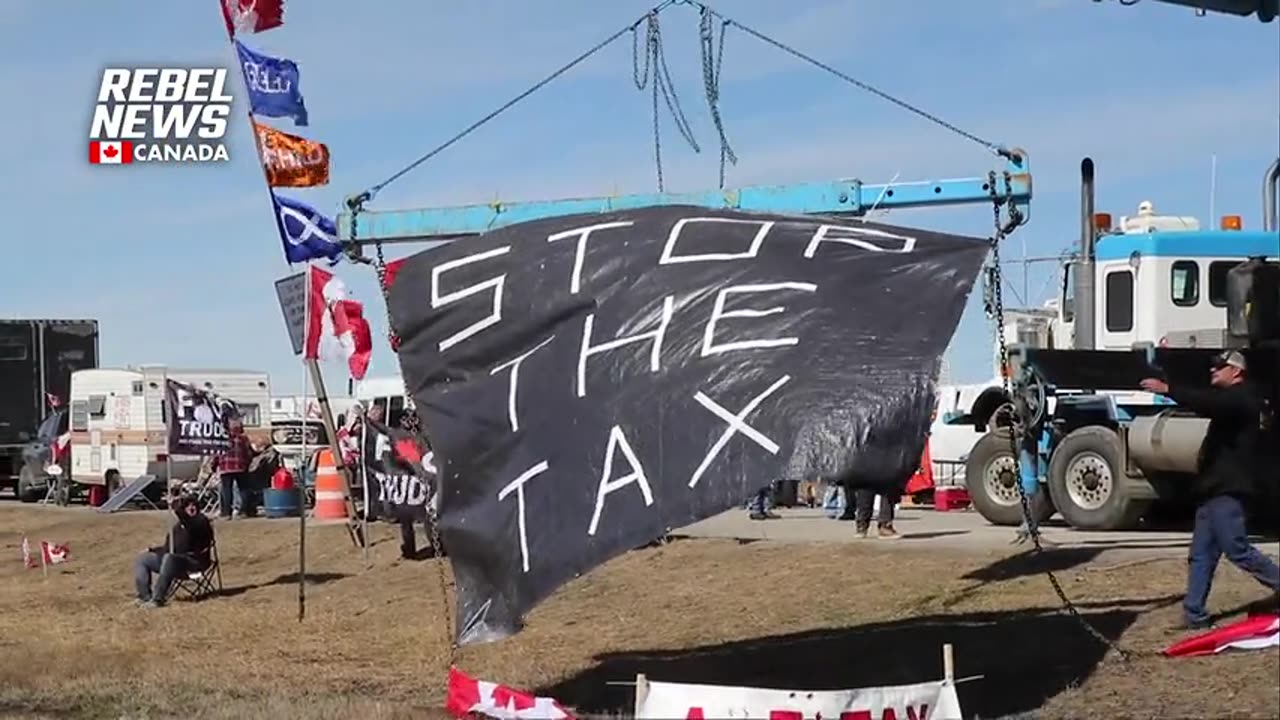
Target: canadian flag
{"points": [[466, 695], [28, 560], [252, 16], [54, 554], [336, 327], [110, 152], [1252, 633]]}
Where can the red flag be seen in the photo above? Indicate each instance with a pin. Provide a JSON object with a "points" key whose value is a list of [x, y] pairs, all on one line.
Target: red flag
{"points": [[1254, 633], [54, 554], [251, 16], [389, 274], [336, 326], [392, 270], [467, 695]]}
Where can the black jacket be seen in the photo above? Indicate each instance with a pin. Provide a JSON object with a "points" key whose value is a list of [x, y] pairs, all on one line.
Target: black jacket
{"points": [[192, 538], [1229, 460]]}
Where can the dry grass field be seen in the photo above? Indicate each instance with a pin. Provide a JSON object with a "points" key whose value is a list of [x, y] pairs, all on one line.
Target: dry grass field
{"points": [[72, 645]]}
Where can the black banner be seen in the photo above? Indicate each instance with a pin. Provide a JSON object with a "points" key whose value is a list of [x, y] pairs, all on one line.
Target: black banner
{"points": [[590, 382], [197, 420], [394, 476]]}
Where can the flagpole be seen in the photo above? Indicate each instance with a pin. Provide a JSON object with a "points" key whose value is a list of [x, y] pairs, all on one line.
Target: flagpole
{"points": [[168, 463], [302, 486], [275, 214], [364, 480]]}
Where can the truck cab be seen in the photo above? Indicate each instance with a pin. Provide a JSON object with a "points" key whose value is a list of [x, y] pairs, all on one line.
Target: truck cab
{"points": [[1160, 280], [1106, 450]]}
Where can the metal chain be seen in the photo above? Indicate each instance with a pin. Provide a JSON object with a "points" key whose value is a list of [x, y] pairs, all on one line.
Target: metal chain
{"points": [[374, 190], [662, 85], [711, 66], [1018, 422], [997, 149], [410, 422]]}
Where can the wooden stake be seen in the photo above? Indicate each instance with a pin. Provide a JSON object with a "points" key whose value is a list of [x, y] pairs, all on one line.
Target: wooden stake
{"points": [[948, 664]]}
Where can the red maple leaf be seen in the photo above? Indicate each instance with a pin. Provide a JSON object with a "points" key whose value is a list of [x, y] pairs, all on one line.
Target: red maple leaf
{"points": [[110, 151]]}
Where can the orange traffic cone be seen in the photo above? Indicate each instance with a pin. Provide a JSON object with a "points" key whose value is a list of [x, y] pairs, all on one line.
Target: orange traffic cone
{"points": [[331, 499]]}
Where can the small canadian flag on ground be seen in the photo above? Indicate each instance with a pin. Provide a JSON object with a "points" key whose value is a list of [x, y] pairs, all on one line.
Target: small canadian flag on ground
{"points": [[50, 554], [110, 152]]}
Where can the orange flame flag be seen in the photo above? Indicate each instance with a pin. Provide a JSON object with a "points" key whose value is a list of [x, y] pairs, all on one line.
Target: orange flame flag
{"points": [[292, 161]]}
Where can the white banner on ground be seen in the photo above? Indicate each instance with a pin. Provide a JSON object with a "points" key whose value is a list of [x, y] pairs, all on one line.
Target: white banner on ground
{"points": [[922, 701]]}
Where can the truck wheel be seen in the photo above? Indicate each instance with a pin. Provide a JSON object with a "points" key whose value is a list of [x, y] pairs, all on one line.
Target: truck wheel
{"points": [[991, 477], [26, 491], [1086, 479]]}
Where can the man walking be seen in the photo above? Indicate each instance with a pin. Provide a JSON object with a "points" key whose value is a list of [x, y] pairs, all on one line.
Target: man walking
{"points": [[1227, 472]]}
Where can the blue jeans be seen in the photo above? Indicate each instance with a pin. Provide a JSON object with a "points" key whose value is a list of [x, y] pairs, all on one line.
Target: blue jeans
{"points": [[1220, 530], [167, 566], [762, 502]]}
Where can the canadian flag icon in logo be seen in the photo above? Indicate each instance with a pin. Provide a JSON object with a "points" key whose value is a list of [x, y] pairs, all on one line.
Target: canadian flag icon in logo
{"points": [[115, 152]]}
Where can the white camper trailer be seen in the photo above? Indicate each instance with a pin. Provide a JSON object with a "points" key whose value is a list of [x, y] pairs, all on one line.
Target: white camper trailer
{"points": [[118, 417]]}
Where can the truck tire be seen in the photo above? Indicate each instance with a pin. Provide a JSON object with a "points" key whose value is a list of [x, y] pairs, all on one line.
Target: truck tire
{"points": [[991, 477], [26, 490], [1086, 479]]}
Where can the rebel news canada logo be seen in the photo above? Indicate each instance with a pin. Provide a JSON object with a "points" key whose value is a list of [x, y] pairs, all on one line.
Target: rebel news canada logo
{"points": [[160, 115]]}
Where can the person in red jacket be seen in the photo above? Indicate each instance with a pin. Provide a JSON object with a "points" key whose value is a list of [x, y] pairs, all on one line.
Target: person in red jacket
{"points": [[233, 472], [1228, 473]]}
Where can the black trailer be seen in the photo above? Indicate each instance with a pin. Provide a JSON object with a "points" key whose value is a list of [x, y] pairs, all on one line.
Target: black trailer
{"points": [[37, 358]]}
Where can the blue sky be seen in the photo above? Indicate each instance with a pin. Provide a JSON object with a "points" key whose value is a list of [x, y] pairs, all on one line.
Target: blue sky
{"points": [[1150, 92]]}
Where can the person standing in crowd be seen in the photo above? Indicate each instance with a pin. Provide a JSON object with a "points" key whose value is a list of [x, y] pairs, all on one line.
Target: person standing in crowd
{"points": [[864, 502], [1227, 473], [233, 473]]}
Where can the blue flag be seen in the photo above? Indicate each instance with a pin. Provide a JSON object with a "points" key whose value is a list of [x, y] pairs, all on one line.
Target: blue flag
{"points": [[273, 85], [307, 234]]}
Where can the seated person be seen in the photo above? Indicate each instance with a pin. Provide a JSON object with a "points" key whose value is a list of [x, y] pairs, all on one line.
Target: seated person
{"points": [[192, 538]]}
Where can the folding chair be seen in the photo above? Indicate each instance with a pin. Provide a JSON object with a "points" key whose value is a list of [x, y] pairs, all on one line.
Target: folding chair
{"points": [[196, 586]]}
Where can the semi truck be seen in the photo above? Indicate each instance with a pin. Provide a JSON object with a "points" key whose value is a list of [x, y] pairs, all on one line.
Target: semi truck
{"points": [[1168, 295], [37, 358]]}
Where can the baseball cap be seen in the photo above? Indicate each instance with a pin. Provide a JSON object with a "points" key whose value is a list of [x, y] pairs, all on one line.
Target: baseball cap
{"points": [[1229, 357]]}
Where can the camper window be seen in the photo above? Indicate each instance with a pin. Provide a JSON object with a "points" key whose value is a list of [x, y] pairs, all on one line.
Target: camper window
{"points": [[79, 416], [97, 406], [250, 414], [1119, 301], [1184, 283], [136, 389]]}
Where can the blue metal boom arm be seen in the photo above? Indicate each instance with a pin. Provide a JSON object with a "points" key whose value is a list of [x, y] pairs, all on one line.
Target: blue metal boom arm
{"points": [[841, 197]]}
